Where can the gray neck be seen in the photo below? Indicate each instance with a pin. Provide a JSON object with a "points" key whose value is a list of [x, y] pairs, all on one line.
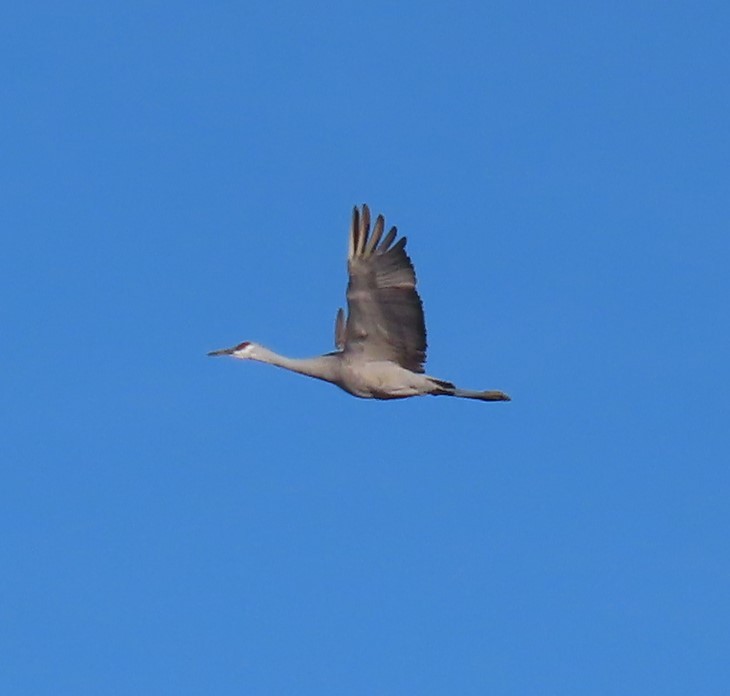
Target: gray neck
{"points": [[324, 367]]}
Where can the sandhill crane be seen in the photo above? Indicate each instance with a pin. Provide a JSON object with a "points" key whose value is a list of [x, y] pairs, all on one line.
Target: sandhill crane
{"points": [[381, 347]]}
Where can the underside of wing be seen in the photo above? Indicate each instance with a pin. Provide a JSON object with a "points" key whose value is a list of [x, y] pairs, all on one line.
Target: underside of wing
{"points": [[385, 319]]}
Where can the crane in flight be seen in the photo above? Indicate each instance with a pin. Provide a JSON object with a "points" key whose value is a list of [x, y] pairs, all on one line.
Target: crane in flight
{"points": [[381, 346]]}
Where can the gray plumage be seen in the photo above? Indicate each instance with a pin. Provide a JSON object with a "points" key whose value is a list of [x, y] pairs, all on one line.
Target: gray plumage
{"points": [[381, 346]]}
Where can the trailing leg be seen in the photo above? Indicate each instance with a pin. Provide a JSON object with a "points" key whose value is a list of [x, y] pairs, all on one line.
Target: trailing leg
{"points": [[444, 388]]}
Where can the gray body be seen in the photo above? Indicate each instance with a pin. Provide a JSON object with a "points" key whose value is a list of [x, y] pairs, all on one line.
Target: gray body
{"points": [[381, 346]]}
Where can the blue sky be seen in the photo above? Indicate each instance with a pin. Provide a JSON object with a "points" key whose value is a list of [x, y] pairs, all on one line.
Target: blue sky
{"points": [[177, 177]]}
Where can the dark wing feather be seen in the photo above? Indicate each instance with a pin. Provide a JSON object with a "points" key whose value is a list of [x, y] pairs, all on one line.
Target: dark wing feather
{"points": [[340, 329], [385, 319]]}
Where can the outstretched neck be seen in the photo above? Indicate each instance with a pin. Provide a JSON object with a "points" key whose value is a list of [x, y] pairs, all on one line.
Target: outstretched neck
{"points": [[322, 367]]}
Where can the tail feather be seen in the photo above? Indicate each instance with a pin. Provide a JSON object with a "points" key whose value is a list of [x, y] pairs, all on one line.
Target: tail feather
{"points": [[447, 387]]}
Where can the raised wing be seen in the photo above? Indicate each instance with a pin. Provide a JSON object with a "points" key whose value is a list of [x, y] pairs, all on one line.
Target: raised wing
{"points": [[385, 318], [340, 329]]}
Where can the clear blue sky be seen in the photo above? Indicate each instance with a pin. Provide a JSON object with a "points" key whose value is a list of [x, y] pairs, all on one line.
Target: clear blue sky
{"points": [[178, 177]]}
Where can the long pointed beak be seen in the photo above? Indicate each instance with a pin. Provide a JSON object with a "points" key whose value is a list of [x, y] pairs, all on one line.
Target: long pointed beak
{"points": [[222, 351]]}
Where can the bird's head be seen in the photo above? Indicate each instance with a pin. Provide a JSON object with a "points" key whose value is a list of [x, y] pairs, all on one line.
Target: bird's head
{"points": [[243, 351]]}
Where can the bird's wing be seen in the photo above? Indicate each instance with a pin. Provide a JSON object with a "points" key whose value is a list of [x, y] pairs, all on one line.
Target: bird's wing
{"points": [[385, 319], [340, 329]]}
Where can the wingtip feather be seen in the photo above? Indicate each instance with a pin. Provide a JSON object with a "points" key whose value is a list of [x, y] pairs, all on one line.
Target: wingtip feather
{"points": [[354, 231], [364, 229], [400, 244], [388, 240], [375, 236]]}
